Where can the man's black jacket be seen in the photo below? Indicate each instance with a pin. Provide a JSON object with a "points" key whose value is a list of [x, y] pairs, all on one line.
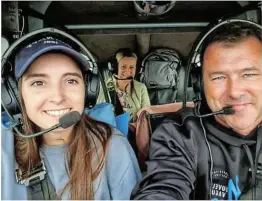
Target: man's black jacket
{"points": [[180, 166]]}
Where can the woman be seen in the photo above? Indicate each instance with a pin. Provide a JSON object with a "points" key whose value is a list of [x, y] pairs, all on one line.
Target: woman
{"points": [[86, 161], [132, 94]]}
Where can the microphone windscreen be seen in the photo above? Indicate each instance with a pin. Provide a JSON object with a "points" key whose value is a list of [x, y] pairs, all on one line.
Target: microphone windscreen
{"points": [[228, 110], [69, 119]]}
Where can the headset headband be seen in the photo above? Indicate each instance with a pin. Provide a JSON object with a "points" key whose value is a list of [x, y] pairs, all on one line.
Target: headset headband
{"points": [[21, 40]]}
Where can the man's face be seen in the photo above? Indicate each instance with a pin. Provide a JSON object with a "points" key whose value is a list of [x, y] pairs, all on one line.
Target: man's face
{"points": [[232, 77], [127, 67]]}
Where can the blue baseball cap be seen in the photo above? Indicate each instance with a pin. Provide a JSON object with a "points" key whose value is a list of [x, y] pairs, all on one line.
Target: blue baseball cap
{"points": [[35, 49]]}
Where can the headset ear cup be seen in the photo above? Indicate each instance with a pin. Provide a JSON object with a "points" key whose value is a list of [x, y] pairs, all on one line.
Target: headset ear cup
{"points": [[115, 66], [92, 89], [10, 96], [14, 85], [196, 78], [112, 65], [138, 67]]}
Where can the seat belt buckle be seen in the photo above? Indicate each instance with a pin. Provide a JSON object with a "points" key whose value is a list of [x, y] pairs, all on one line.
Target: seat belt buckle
{"points": [[37, 174]]}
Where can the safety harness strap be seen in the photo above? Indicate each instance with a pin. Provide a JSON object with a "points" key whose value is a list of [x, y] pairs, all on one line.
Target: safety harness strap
{"points": [[41, 190], [38, 183]]}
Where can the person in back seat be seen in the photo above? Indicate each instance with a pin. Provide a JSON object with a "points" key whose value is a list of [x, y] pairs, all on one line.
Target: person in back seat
{"points": [[88, 160], [131, 94]]}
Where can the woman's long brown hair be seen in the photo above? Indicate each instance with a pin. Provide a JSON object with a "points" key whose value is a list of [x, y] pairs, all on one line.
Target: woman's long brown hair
{"points": [[86, 153]]}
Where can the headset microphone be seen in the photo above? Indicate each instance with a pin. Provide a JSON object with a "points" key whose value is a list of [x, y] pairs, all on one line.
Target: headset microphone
{"points": [[64, 122], [69, 119], [128, 78], [226, 110]]}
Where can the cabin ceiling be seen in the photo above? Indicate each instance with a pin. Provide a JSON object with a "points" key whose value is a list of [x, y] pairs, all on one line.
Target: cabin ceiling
{"points": [[188, 20]]}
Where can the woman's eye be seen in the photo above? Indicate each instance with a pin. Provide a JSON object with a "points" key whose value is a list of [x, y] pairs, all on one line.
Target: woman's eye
{"points": [[72, 81], [37, 83]]}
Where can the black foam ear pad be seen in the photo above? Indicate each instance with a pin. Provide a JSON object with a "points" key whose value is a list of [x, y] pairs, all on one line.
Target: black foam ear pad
{"points": [[92, 88], [196, 78], [10, 96], [113, 65], [14, 86]]}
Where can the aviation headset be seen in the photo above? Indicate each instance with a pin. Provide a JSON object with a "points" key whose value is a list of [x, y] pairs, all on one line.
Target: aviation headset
{"points": [[194, 66], [113, 63], [10, 97]]}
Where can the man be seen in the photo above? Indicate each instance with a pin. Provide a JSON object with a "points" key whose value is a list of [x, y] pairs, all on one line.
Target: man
{"points": [[217, 157]]}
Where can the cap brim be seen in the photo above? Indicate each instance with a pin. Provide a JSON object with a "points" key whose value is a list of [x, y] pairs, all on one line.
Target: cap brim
{"points": [[68, 51]]}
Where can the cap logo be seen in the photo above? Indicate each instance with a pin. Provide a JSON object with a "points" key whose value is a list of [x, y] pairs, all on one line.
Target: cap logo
{"points": [[48, 40]]}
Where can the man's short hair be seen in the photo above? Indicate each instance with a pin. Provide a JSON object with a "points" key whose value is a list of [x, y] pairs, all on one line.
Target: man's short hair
{"points": [[231, 33]]}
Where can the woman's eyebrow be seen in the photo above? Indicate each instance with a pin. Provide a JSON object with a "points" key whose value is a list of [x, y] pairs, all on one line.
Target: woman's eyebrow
{"points": [[42, 75], [73, 74], [35, 75]]}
